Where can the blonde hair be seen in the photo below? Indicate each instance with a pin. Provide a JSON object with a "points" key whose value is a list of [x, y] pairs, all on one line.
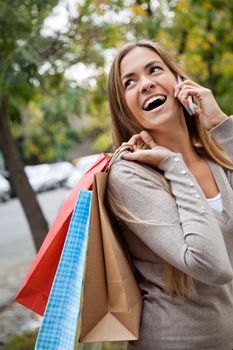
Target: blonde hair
{"points": [[124, 125]]}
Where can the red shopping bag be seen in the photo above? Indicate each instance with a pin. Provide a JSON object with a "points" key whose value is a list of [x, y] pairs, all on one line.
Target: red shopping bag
{"points": [[35, 290]]}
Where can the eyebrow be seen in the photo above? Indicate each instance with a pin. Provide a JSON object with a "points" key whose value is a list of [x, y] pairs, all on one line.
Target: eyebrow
{"points": [[148, 65]]}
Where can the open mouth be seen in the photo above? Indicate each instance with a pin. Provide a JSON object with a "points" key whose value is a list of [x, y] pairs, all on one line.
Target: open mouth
{"points": [[154, 102]]}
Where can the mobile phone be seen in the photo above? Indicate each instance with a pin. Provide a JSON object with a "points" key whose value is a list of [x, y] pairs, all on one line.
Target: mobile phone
{"points": [[190, 106]]}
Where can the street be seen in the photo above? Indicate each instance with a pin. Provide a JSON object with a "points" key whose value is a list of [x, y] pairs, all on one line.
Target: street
{"points": [[16, 255]]}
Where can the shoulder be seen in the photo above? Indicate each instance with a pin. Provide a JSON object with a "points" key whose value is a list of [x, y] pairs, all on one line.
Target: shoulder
{"points": [[124, 173]]}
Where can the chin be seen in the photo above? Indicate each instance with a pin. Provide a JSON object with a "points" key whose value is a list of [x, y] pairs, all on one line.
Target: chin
{"points": [[159, 119]]}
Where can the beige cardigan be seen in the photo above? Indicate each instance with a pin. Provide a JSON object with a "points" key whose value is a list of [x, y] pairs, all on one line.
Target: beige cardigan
{"points": [[185, 231]]}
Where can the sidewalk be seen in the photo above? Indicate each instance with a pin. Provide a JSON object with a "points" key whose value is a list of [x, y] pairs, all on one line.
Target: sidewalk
{"points": [[14, 319], [16, 255]]}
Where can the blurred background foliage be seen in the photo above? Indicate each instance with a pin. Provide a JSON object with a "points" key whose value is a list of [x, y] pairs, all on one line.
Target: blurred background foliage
{"points": [[50, 111]]}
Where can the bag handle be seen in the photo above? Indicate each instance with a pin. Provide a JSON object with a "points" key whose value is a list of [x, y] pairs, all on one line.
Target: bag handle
{"points": [[124, 146]]}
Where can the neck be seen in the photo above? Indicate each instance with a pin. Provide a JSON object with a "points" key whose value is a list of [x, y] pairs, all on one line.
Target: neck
{"points": [[177, 140]]}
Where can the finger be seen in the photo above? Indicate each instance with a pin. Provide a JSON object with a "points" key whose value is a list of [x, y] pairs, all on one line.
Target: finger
{"points": [[189, 82], [186, 92], [131, 144], [184, 83], [134, 139], [199, 92], [130, 156], [148, 139]]}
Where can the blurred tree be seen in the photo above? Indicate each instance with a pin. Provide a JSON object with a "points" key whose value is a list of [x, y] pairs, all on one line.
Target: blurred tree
{"points": [[44, 132], [202, 30], [22, 50]]}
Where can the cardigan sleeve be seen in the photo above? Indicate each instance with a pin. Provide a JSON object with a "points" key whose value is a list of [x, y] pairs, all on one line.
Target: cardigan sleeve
{"points": [[179, 227], [223, 133]]}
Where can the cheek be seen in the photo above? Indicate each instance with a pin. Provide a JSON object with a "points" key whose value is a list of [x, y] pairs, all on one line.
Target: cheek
{"points": [[131, 100], [167, 81], [171, 83]]}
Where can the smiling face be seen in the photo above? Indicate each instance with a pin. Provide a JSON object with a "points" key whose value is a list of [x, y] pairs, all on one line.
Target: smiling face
{"points": [[149, 89]]}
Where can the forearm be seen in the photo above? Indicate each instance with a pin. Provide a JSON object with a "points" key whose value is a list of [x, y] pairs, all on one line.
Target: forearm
{"points": [[205, 243]]}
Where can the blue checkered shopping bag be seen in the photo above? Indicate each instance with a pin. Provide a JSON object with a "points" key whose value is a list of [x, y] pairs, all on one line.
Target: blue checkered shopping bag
{"points": [[58, 329]]}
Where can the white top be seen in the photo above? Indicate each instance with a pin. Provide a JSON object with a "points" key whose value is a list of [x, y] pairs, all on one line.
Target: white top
{"points": [[216, 202]]}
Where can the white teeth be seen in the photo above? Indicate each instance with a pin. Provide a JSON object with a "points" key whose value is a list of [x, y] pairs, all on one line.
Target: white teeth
{"points": [[152, 99]]}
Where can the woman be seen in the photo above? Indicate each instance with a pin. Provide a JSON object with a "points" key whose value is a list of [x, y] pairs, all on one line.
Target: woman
{"points": [[172, 199]]}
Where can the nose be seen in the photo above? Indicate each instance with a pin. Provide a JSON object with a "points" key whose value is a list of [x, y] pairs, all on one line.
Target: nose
{"points": [[146, 84]]}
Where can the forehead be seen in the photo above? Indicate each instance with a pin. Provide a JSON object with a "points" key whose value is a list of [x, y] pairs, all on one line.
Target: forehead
{"points": [[137, 58]]}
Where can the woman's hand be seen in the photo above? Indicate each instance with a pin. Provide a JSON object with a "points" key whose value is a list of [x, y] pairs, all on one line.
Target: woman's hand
{"points": [[209, 112], [152, 156]]}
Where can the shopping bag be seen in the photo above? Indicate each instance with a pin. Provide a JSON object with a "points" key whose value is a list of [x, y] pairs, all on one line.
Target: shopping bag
{"points": [[111, 299], [35, 290], [58, 328]]}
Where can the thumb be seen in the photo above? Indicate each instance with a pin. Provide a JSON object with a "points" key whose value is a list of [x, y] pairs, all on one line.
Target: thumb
{"points": [[129, 156]]}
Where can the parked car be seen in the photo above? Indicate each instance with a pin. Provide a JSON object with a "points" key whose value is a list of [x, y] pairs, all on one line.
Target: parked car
{"points": [[38, 176], [82, 165], [44, 177], [5, 189], [61, 171]]}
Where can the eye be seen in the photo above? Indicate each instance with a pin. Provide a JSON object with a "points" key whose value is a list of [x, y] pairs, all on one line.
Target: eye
{"points": [[128, 82], [155, 69]]}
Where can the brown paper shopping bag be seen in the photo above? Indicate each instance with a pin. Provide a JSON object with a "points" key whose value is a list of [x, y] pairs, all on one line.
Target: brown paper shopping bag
{"points": [[111, 298]]}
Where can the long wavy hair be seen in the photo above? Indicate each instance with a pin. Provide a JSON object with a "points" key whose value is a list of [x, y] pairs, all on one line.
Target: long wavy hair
{"points": [[124, 125]]}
